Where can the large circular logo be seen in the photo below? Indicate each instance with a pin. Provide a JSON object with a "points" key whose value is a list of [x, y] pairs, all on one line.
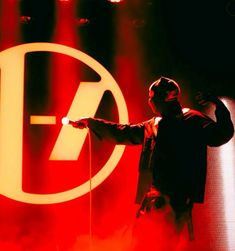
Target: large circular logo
{"points": [[69, 142]]}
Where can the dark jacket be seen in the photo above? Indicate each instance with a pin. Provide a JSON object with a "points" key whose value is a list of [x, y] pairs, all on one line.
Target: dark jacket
{"points": [[174, 151]]}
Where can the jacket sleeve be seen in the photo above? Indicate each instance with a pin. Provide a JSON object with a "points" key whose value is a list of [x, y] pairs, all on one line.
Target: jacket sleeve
{"points": [[220, 131], [126, 134]]}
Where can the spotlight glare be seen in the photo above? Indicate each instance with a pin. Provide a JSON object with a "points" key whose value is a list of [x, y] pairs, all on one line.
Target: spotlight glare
{"points": [[115, 1], [226, 154]]}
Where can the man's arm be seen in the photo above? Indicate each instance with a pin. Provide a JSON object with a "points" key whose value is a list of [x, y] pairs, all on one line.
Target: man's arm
{"points": [[117, 133], [222, 130]]}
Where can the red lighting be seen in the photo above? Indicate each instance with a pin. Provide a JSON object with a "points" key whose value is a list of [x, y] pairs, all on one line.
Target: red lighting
{"points": [[82, 21], [66, 189], [25, 19]]}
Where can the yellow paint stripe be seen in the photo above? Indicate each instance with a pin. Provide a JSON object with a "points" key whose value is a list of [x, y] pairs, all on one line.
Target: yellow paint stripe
{"points": [[42, 120]]}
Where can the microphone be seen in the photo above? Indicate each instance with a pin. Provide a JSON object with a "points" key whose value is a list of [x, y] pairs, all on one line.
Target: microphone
{"points": [[67, 121], [77, 124]]}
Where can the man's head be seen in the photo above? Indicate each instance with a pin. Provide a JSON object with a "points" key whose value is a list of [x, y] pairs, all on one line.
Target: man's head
{"points": [[162, 93]]}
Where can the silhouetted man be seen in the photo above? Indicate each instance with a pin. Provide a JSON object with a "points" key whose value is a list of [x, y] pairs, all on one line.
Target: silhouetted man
{"points": [[173, 159]]}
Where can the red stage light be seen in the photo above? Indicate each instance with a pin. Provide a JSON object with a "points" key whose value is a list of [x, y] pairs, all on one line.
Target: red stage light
{"points": [[115, 1], [82, 21], [25, 19]]}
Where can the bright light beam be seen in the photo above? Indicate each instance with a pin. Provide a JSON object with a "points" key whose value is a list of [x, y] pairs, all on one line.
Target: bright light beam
{"points": [[228, 179]]}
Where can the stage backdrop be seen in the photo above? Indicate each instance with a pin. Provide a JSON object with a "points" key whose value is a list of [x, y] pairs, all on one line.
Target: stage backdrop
{"points": [[65, 189]]}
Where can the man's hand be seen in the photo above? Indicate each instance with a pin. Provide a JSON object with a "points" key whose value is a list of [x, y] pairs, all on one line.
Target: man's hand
{"points": [[81, 123], [152, 199], [206, 98]]}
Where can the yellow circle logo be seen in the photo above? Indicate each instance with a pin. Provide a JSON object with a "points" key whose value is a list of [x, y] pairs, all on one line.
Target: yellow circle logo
{"points": [[69, 142]]}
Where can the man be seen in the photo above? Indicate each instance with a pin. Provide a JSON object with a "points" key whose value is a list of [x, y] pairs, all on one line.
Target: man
{"points": [[173, 159]]}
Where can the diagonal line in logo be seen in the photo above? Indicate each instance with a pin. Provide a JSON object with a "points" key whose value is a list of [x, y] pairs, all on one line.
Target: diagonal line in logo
{"points": [[86, 101]]}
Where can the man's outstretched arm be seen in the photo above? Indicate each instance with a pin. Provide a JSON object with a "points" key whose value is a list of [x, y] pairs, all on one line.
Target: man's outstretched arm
{"points": [[117, 133]]}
